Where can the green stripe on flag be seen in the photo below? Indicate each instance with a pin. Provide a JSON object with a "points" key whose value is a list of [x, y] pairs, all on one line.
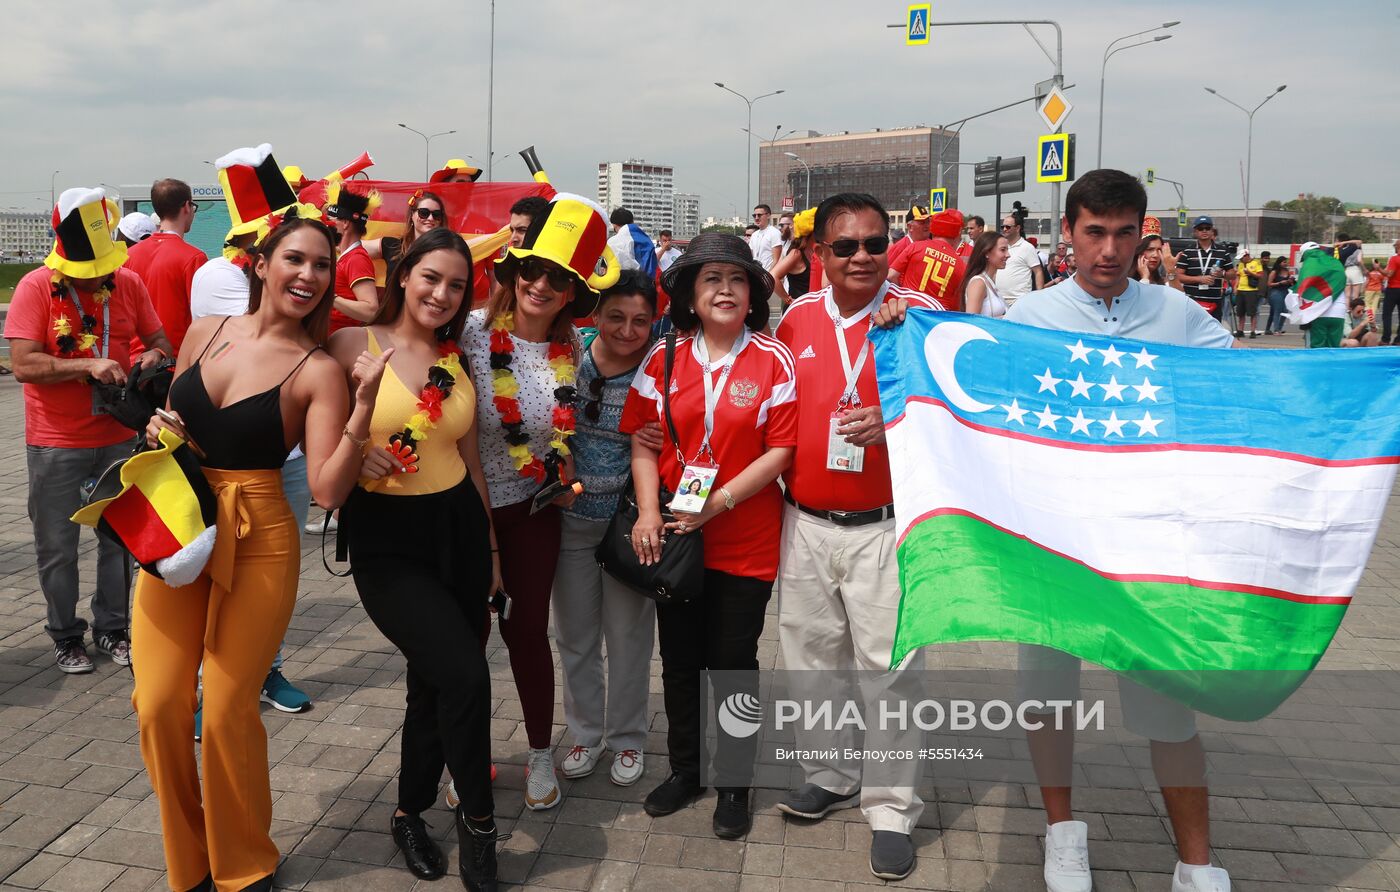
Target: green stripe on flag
{"points": [[965, 580]]}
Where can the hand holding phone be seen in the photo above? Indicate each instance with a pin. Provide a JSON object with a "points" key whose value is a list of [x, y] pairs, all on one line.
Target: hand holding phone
{"points": [[500, 604]]}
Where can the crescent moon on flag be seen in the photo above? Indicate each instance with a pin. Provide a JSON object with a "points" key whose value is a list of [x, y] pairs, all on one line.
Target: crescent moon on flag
{"points": [[941, 352]]}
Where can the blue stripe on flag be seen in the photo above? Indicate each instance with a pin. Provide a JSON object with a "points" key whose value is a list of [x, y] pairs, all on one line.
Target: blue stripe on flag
{"points": [[1098, 392]]}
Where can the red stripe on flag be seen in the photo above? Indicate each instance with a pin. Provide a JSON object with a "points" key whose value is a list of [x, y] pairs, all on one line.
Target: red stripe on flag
{"points": [[248, 194], [139, 526]]}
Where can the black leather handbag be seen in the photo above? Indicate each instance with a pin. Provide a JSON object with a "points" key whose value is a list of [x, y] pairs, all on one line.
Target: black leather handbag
{"points": [[679, 575]]}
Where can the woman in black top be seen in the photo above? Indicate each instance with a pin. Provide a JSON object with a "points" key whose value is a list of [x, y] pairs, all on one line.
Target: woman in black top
{"points": [[1280, 281], [426, 212]]}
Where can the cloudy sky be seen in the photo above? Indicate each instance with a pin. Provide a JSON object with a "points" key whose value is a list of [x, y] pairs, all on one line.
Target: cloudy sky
{"points": [[125, 91]]}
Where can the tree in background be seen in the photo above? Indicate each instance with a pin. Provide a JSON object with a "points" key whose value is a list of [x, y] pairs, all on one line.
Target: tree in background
{"points": [[1314, 221]]}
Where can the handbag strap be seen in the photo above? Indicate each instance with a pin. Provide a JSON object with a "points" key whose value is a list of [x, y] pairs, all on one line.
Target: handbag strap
{"points": [[666, 394]]}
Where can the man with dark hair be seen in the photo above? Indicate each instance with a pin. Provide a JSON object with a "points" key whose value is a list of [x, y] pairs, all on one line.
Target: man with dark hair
{"points": [[167, 263], [1023, 271], [971, 233], [762, 242], [666, 252], [522, 214], [633, 247], [1203, 269]]}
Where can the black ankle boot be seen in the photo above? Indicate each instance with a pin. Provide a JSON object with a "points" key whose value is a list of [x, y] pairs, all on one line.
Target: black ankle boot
{"points": [[476, 852], [205, 885], [420, 851], [262, 885], [733, 814]]}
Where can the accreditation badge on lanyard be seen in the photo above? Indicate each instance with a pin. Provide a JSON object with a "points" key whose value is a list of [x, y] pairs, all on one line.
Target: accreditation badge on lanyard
{"points": [[842, 455], [698, 475]]}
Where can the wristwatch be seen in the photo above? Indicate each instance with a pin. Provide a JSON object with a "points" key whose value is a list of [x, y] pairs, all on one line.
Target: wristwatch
{"points": [[728, 499]]}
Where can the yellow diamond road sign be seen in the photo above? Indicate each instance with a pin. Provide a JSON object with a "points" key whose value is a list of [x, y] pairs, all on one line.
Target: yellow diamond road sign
{"points": [[1054, 108]]}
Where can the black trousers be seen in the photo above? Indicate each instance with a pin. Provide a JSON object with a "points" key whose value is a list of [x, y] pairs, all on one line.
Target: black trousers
{"points": [[422, 565], [1390, 302], [717, 631]]}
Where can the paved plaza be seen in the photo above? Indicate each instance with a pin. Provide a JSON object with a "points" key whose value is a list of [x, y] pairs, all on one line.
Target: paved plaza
{"points": [[77, 813]]}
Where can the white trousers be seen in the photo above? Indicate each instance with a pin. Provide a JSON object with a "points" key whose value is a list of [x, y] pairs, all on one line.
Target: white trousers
{"points": [[591, 609], [839, 602]]}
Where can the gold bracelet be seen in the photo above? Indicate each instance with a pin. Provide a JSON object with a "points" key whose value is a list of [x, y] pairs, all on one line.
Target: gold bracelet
{"points": [[359, 443]]}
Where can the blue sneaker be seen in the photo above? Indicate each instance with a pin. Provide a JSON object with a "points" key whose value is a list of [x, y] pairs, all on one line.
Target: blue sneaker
{"points": [[282, 694], [199, 722]]}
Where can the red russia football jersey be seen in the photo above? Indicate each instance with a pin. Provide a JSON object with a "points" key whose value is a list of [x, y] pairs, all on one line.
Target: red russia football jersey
{"points": [[756, 411], [933, 267], [809, 332], [351, 267]]}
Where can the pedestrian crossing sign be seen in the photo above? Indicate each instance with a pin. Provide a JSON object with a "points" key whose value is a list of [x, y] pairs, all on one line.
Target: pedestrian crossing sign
{"points": [[916, 32], [1181, 217], [937, 200], [1055, 158]]}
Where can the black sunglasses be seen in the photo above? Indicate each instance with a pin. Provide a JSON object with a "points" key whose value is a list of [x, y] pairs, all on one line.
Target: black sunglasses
{"points": [[532, 268], [847, 247], [594, 407], [429, 213]]}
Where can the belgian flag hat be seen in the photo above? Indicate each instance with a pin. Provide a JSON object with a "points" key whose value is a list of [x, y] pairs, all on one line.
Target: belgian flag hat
{"points": [[572, 233], [83, 248], [253, 188]]}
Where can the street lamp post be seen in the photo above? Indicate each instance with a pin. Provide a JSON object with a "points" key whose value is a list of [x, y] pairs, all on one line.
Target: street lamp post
{"points": [[491, 92], [748, 153], [427, 140], [807, 195], [1249, 151], [1108, 53], [53, 201]]}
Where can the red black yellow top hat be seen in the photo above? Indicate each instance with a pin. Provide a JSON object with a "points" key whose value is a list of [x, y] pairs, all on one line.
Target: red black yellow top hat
{"points": [[345, 202], [572, 232], [83, 220], [456, 167], [253, 188]]}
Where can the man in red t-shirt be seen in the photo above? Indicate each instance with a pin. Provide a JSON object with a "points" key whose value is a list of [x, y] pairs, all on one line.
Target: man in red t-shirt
{"points": [[915, 230], [166, 262], [1392, 293], [356, 297], [840, 587], [70, 322], [933, 265]]}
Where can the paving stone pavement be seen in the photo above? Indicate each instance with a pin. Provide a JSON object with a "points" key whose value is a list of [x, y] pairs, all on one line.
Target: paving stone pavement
{"points": [[77, 813]]}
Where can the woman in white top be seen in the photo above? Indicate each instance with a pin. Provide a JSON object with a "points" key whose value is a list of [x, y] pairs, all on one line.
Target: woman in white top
{"points": [[980, 295]]}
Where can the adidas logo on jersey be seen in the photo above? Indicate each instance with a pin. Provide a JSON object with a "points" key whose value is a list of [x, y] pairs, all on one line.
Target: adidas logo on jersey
{"points": [[809, 353], [675, 387]]}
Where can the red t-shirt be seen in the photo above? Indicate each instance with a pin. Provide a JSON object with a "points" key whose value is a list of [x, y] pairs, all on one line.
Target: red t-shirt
{"points": [[965, 250], [808, 331], [898, 251], [933, 267], [351, 267], [166, 263], [61, 414], [1392, 272], [756, 411]]}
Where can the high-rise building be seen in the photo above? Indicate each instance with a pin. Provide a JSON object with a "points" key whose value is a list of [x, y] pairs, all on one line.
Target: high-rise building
{"points": [[686, 216], [25, 236], [644, 189], [896, 166]]}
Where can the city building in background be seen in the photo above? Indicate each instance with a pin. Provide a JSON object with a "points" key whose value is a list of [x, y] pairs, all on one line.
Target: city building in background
{"points": [[685, 216], [896, 166], [644, 189], [25, 236]]}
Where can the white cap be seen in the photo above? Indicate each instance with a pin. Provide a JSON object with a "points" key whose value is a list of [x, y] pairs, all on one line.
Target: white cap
{"points": [[136, 226]]}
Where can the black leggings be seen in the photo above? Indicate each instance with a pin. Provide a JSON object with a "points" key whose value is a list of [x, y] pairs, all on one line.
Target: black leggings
{"points": [[422, 565], [1389, 303]]}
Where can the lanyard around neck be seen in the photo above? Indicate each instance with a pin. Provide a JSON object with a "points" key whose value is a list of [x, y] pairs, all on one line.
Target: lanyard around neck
{"points": [[850, 395], [106, 315], [713, 389]]}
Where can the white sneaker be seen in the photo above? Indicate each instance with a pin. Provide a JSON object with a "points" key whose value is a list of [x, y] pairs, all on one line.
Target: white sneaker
{"points": [[315, 525], [581, 761], [453, 800], [1194, 878], [541, 786], [1067, 857], [627, 768]]}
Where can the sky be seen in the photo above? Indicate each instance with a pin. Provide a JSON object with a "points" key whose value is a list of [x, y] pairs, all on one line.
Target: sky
{"points": [[127, 91]]}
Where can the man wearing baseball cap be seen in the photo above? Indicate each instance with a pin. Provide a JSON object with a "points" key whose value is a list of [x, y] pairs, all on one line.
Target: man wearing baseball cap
{"points": [[932, 264], [915, 230], [1203, 269]]}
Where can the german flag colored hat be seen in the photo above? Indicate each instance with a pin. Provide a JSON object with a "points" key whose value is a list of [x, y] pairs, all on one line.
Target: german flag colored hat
{"points": [[83, 221], [344, 202], [573, 233], [253, 188]]}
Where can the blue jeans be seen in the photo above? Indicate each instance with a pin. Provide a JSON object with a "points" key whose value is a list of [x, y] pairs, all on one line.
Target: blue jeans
{"points": [[1276, 297], [297, 489]]}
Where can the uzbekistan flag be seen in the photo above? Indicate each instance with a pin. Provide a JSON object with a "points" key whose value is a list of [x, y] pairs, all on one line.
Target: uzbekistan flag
{"points": [[1191, 517]]}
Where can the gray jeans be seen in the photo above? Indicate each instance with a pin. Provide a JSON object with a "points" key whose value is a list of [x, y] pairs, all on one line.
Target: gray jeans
{"points": [[55, 475], [297, 489]]}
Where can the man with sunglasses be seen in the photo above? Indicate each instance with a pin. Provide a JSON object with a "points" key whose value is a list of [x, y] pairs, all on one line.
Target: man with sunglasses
{"points": [[1023, 271], [767, 238], [840, 588], [166, 262]]}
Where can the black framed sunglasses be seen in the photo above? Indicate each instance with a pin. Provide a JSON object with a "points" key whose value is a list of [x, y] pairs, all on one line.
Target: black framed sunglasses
{"points": [[532, 268], [847, 247], [593, 409], [430, 213]]}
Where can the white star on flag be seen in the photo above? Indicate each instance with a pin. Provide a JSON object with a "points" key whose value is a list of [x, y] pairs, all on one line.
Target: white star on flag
{"points": [[1080, 387], [1147, 424], [1113, 424], [1144, 358], [1079, 424], [1146, 390], [1113, 390], [1078, 351], [1047, 382], [1111, 356], [1015, 413], [1047, 418]]}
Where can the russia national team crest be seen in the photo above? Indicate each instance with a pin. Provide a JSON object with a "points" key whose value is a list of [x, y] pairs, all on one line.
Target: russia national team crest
{"points": [[743, 393]]}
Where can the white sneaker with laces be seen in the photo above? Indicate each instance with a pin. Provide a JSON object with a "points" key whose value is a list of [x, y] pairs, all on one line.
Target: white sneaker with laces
{"points": [[1196, 878], [451, 797], [627, 768], [541, 786], [581, 761], [1067, 857]]}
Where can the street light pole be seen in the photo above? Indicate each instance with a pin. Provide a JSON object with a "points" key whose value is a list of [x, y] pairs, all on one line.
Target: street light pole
{"points": [[806, 196], [53, 201], [1108, 53], [427, 140], [748, 153], [490, 91], [1249, 151]]}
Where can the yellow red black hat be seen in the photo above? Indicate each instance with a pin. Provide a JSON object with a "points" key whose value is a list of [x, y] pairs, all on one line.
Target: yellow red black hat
{"points": [[573, 233], [456, 167], [345, 202], [83, 220], [253, 188]]}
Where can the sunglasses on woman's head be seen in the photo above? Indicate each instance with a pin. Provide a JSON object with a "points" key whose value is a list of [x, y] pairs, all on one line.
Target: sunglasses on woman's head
{"points": [[532, 268], [430, 214], [847, 247], [594, 407]]}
